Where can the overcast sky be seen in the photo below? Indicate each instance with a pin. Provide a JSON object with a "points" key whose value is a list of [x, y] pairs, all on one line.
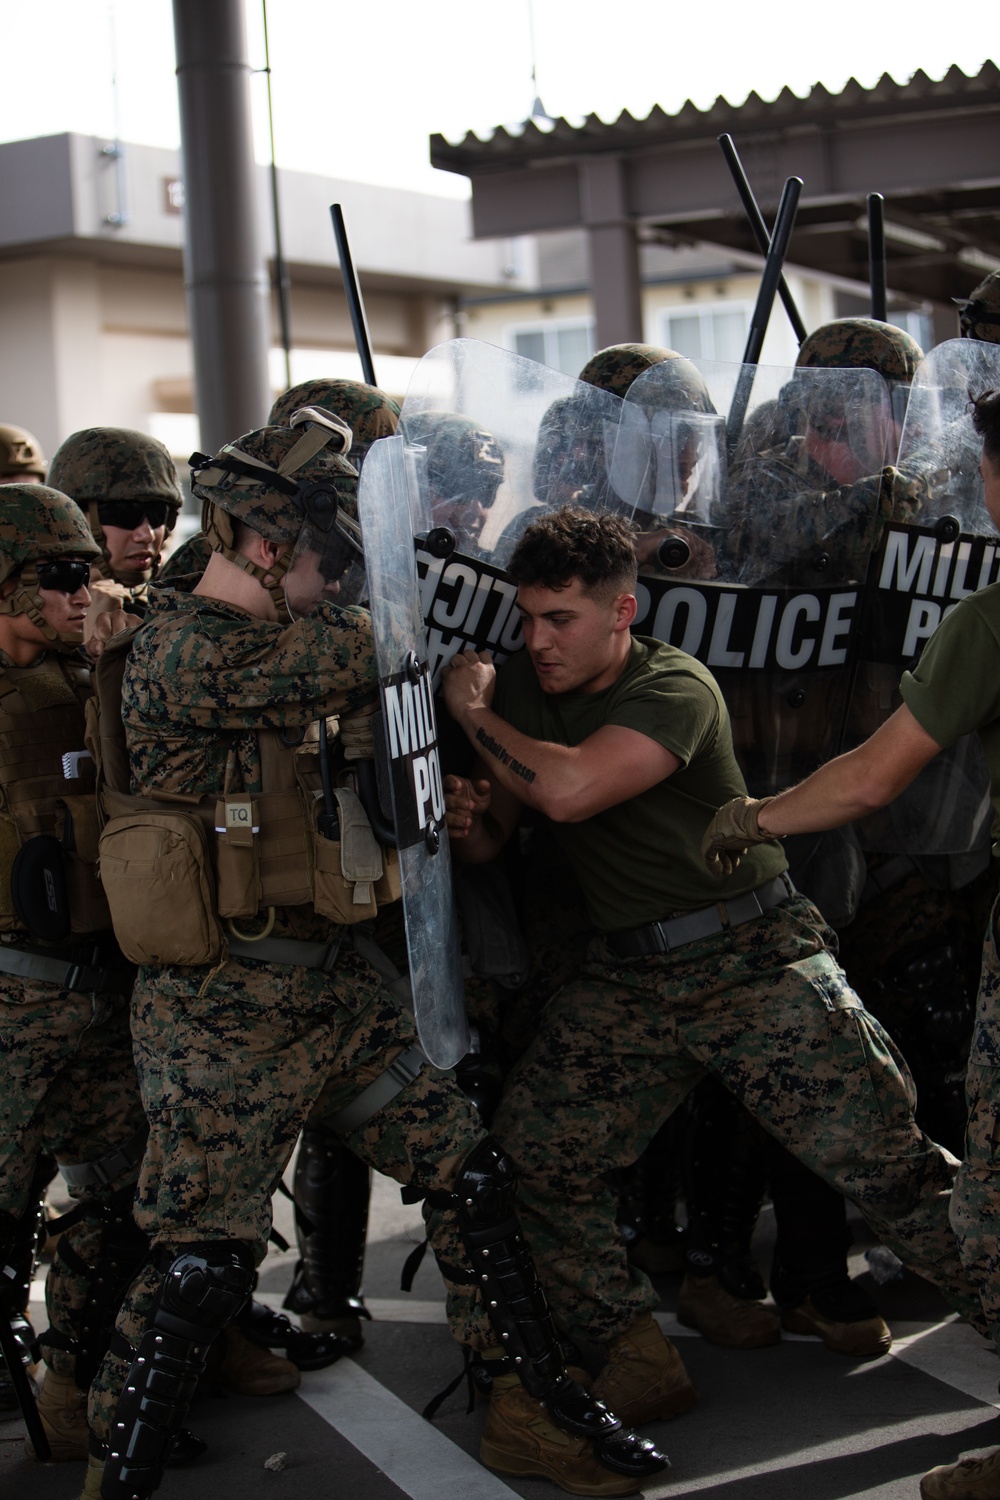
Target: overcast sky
{"points": [[358, 89]]}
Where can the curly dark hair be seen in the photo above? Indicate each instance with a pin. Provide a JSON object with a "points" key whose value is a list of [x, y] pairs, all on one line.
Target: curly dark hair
{"points": [[986, 421], [576, 543]]}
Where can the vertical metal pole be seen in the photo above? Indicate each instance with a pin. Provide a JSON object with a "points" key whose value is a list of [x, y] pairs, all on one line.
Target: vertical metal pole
{"points": [[224, 268], [282, 281], [876, 256]]}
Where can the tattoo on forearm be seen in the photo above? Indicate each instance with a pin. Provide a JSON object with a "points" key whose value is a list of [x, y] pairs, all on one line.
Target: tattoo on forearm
{"points": [[497, 750]]}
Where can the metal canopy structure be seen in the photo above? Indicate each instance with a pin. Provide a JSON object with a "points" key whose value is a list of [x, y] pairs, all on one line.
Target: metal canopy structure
{"points": [[930, 146]]}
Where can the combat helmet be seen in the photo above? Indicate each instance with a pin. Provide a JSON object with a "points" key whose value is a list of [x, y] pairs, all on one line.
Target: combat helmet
{"points": [[20, 453], [464, 461], [979, 313], [39, 525], [113, 470], [862, 344], [289, 484], [368, 412], [681, 383]]}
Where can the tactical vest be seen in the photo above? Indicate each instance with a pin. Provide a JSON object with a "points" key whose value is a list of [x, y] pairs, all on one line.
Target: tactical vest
{"points": [[183, 872], [47, 779]]}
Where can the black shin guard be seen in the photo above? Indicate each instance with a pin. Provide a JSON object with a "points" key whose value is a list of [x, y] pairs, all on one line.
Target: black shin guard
{"points": [[16, 1335], [202, 1290], [331, 1193], [515, 1304], [121, 1249]]}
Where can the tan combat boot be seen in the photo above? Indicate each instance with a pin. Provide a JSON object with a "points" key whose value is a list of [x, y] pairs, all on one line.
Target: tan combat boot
{"points": [[864, 1338], [92, 1481], [970, 1479], [519, 1438], [733, 1322], [245, 1368], [62, 1407], [644, 1379]]}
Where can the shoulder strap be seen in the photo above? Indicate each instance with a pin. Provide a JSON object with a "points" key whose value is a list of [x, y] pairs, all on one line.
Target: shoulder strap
{"points": [[108, 676]]}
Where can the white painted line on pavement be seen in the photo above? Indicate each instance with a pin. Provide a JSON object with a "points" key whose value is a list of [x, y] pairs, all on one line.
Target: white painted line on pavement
{"points": [[413, 1454], [953, 1353]]}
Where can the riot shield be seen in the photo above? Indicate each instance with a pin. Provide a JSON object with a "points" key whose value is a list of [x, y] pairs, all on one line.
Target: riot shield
{"points": [[769, 596], [938, 547], [389, 503], [497, 441]]}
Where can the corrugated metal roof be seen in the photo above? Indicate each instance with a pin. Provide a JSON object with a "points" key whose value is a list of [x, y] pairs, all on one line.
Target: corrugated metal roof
{"points": [[508, 146]]}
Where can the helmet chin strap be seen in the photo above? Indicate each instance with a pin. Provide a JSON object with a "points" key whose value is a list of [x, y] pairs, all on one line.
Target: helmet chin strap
{"points": [[217, 525], [25, 600], [320, 430]]}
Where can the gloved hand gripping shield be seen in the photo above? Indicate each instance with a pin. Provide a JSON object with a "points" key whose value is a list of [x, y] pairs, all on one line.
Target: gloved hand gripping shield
{"points": [[393, 511], [938, 546], [771, 595]]}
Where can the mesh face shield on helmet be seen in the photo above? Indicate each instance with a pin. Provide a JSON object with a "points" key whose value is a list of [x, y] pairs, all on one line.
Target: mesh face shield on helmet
{"points": [[40, 528], [293, 486], [979, 313], [20, 453], [368, 412], [121, 478]]}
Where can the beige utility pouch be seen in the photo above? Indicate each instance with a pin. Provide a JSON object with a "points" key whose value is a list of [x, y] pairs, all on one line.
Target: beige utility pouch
{"points": [[10, 843], [78, 831], [237, 856], [157, 875], [390, 887], [346, 870]]}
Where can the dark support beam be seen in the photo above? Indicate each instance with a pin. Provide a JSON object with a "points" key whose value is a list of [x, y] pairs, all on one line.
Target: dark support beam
{"points": [[224, 268], [612, 252]]}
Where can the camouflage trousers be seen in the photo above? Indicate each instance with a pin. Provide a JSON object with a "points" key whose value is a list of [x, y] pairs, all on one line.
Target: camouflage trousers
{"points": [[975, 1207], [231, 1062], [763, 1007], [68, 1088]]}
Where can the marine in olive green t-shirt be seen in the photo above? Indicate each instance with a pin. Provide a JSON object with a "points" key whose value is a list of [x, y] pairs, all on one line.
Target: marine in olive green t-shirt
{"points": [[955, 687], [640, 861]]}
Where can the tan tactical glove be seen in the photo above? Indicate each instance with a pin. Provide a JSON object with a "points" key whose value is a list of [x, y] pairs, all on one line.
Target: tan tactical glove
{"points": [[356, 733], [731, 832]]}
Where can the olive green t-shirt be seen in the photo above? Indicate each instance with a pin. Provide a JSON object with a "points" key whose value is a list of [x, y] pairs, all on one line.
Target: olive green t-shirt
{"points": [[640, 861], [955, 687]]}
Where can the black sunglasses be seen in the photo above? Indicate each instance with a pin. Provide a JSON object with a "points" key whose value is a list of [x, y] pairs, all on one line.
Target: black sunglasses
{"points": [[65, 576], [128, 514]]}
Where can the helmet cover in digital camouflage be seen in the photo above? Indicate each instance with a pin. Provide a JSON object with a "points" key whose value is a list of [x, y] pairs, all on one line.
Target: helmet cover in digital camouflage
{"points": [[20, 452], [278, 481], [109, 466], [862, 344], [979, 313], [368, 412], [38, 524], [682, 387]]}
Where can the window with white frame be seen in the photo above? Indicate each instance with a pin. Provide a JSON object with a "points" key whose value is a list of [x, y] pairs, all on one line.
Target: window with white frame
{"points": [[714, 331], [561, 343]]}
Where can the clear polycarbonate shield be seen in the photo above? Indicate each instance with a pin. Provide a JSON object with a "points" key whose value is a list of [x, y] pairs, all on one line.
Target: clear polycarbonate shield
{"points": [[938, 546], [758, 570], [391, 509], [496, 442]]}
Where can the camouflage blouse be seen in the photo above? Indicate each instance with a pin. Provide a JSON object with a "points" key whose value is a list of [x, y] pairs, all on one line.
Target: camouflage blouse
{"points": [[203, 676]]}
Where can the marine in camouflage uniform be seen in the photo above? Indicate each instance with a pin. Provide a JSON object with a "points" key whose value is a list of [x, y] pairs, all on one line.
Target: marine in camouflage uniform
{"points": [[293, 1022], [126, 484], [674, 987], [68, 1088], [368, 412]]}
